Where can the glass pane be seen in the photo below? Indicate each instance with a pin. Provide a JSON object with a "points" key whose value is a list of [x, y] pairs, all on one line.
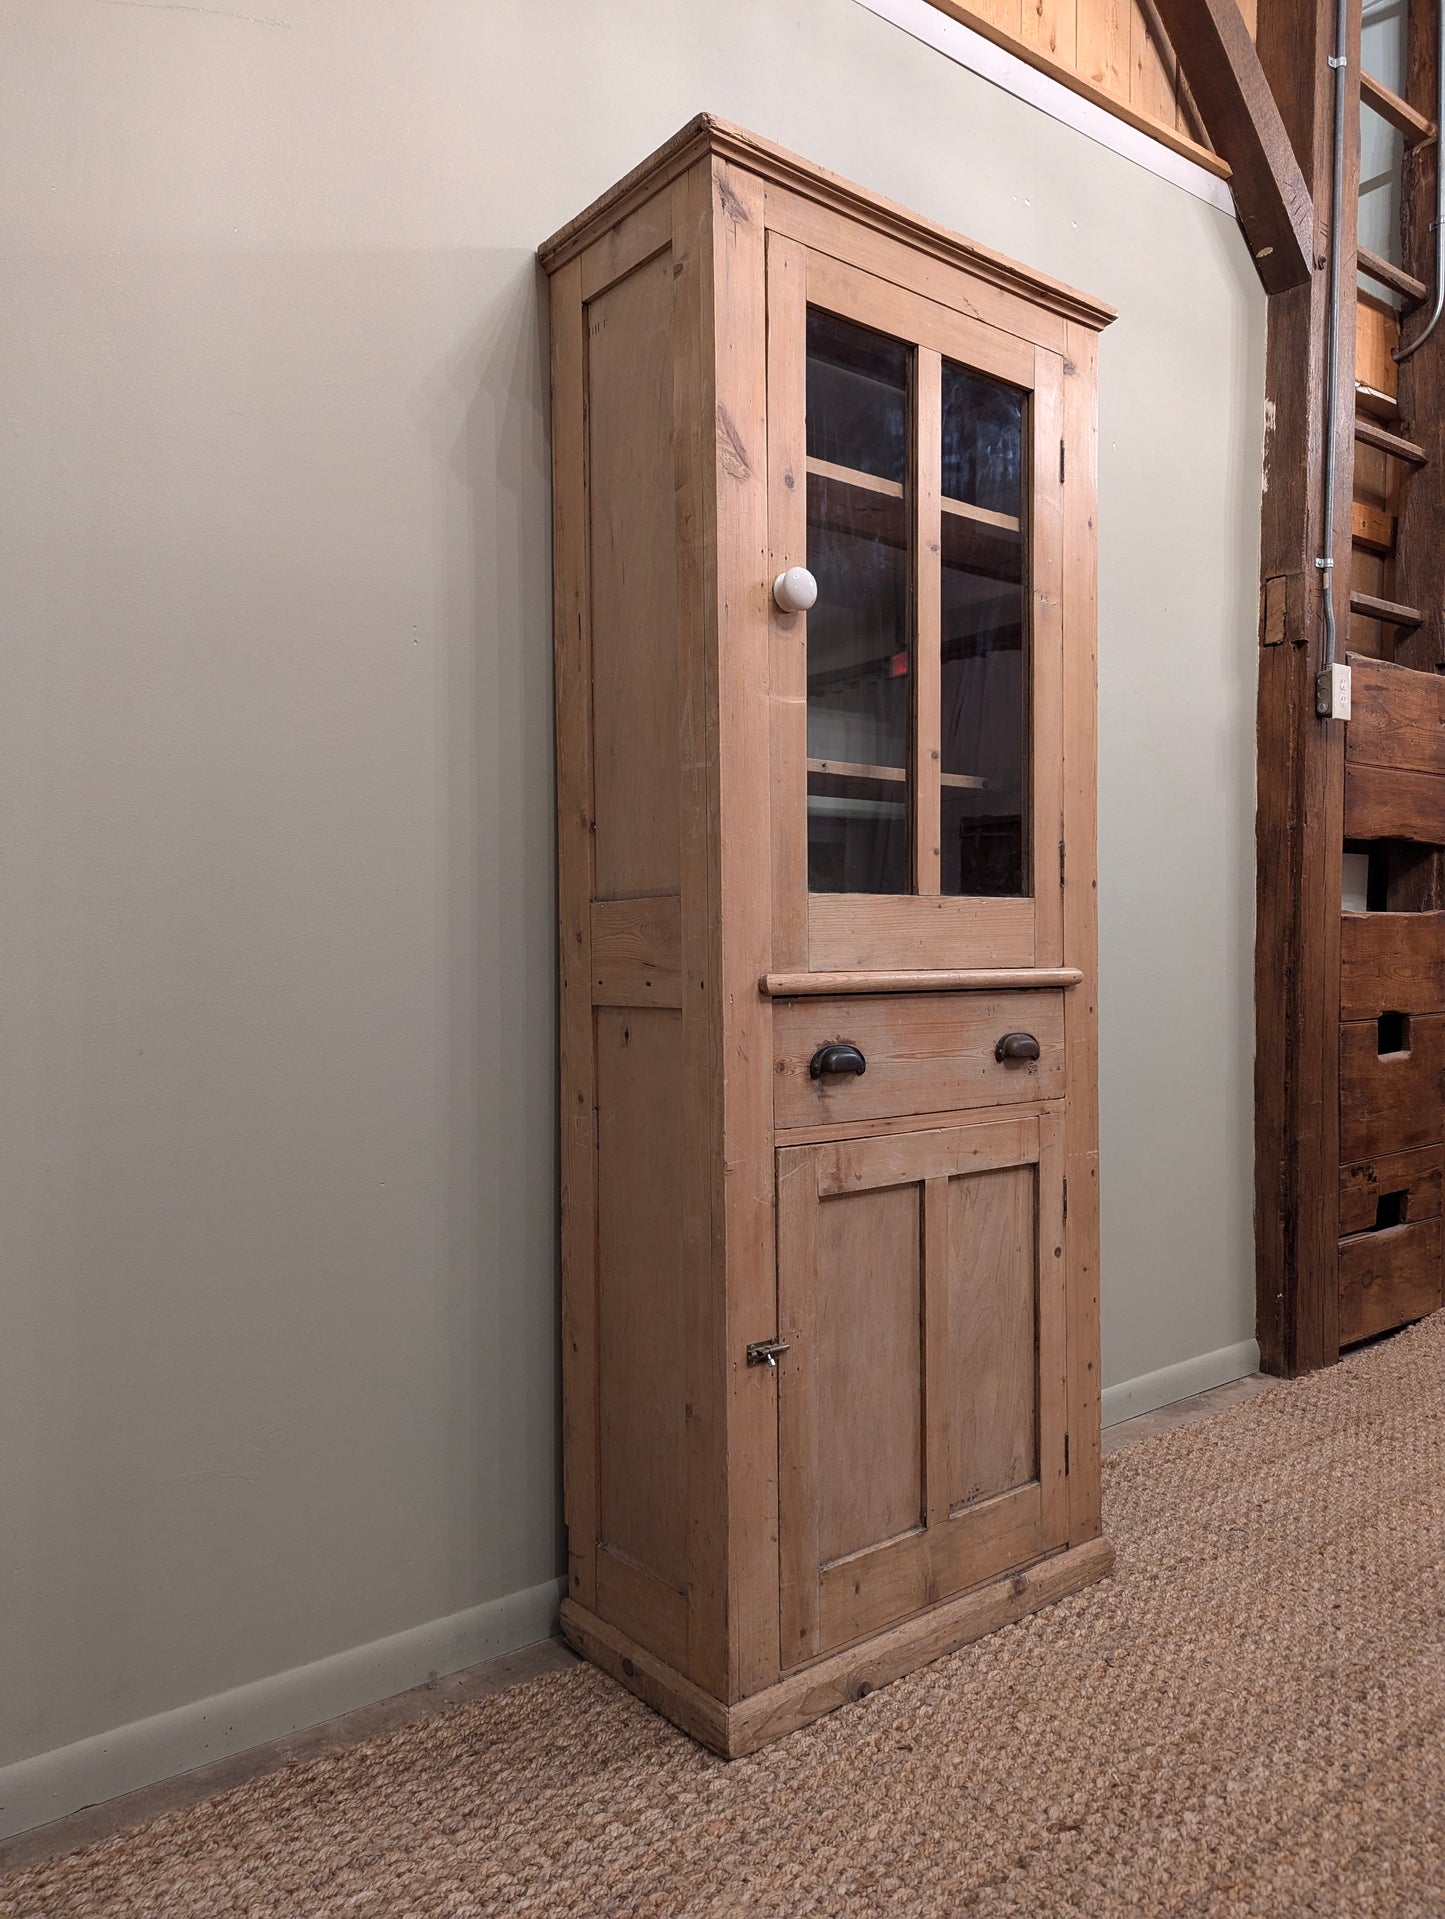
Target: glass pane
{"points": [[985, 719], [859, 638], [982, 441]]}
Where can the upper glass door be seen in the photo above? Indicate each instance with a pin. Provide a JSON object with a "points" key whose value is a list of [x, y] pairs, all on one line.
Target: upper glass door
{"points": [[931, 667]]}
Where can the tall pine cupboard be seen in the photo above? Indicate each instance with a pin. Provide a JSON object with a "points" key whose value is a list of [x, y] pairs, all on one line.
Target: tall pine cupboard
{"points": [[825, 633]]}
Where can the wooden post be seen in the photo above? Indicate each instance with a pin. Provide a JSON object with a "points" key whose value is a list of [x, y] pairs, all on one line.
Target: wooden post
{"points": [[1299, 828]]}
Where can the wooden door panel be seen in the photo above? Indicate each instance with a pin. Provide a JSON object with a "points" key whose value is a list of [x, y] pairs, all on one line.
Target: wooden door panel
{"points": [[922, 1397], [993, 1322], [869, 1399]]}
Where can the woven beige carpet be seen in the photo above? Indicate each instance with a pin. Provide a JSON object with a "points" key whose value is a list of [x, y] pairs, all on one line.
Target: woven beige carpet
{"points": [[1247, 1719]]}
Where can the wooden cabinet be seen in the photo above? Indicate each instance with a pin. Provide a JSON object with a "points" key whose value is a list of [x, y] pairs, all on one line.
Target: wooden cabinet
{"points": [[824, 553]]}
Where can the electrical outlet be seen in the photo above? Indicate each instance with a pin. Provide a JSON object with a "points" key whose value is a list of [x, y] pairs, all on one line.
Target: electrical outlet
{"points": [[1332, 693]]}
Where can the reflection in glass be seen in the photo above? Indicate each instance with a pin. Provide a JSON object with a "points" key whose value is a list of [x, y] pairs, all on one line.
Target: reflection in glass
{"points": [[859, 639], [985, 715]]}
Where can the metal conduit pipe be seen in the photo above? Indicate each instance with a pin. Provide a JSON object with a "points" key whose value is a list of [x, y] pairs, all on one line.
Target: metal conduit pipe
{"points": [[1438, 224], [1326, 561]]}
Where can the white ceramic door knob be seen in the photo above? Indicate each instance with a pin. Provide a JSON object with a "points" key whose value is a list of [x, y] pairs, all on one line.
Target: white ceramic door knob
{"points": [[796, 590]]}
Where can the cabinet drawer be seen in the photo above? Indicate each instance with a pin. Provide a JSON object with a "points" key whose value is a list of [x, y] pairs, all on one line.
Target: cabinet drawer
{"points": [[1388, 1278], [927, 1053]]}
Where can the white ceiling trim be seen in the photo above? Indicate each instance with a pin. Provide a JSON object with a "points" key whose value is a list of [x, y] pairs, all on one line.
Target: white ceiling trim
{"points": [[1016, 76]]}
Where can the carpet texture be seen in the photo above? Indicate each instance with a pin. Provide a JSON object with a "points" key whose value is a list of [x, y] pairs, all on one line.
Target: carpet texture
{"points": [[1245, 1720]]}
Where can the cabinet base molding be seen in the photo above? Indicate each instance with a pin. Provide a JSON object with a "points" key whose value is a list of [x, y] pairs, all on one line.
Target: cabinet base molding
{"points": [[852, 1674]]}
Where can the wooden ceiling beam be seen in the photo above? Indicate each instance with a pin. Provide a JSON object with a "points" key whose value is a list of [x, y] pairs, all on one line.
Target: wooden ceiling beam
{"points": [[1245, 124]]}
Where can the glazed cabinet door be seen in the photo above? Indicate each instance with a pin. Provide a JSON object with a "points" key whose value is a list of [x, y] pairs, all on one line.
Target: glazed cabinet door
{"points": [[915, 470], [921, 1399]]}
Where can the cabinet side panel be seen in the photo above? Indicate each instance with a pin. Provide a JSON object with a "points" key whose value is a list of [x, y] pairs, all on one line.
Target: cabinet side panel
{"points": [[1081, 931], [640, 1374], [574, 895], [634, 583]]}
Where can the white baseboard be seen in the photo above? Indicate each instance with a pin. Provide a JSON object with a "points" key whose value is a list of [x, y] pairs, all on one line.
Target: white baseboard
{"points": [[1151, 1390], [35, 1791]]}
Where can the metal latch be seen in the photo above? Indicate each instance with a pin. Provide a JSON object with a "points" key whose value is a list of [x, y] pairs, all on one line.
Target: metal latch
{"points": [[764, 1352]]}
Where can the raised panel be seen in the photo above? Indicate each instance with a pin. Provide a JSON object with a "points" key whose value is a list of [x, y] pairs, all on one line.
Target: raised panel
{"points": [[1393, 1100], [868, 1369], [633, 559], [640, 1363], [993, 1333]]}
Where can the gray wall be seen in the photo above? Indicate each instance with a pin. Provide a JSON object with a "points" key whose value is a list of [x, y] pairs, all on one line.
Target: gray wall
{"points": [[277, 1375]]}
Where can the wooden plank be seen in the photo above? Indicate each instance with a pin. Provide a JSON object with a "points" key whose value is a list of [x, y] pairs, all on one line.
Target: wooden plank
{"points": [[1414, 292], [1300, 786], [1370, 433], [1373, 529], [1384, 803], [1046, 751], [1377, 334], [1418, 1176], [870, 1591], [927, 714], [573, 673], [861, 932], [850, 1166], [1390, 1103], [1049, 28], [1420, 564], [641, 1410], [940, 1362], [1391, 963], [1405, 119], [853, 476], [1153, 68], [644, 1606], [694, 443], [788, 546], [851, 1674], [981, 516], [943, 280], [1388, 1279], [1392, 612], [1397, 718], [924, 1053], [628, 245], [740, 638], [1229, 82], [964, 980], [637, 952], [1076, 71], [1080, 931], [798, 1554], [1103, 41], [905, 313], [633, 584]]}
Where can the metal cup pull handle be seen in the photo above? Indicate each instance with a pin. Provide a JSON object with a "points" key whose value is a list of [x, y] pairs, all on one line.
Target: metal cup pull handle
{"points": [[839, 1058], [1016, 1046]]}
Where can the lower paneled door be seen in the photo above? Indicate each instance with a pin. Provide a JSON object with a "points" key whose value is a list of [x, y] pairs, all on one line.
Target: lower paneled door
{"points": [[922, 1396]]}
